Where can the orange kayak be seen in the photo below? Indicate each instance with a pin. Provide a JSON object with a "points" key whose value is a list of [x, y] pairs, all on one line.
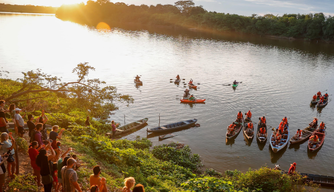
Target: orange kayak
{"points": [[192, 86], [196, 101]]}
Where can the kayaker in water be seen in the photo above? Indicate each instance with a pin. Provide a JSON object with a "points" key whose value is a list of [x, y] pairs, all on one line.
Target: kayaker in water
{"points": [[191, 82], [239, 117], [248, 115], [137, 78], [191, 98], [186, 93], [250, 128], [314, 97], [177, 77], [235, 82]]}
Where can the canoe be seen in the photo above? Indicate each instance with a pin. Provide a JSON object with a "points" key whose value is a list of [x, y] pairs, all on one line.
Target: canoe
{"points": [[173, 126], [306, 133], [237, 129], [177, 81], [283, 142], [138, 82], [246, 121], [192, 86], [319, 105], [321, 139], [261, 138], [314, 102], [129, 127], [196, 101]]}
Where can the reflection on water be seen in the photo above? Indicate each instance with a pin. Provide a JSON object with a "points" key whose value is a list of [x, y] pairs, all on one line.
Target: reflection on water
{"points": [[313, 154], [261, 144], [278, 78], [274, 157]]}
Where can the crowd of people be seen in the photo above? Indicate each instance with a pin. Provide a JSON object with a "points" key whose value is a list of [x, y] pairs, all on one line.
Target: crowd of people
{"points": [[54, 169]]}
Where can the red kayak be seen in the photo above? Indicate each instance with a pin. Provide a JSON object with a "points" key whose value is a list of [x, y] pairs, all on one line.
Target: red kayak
{"points": [[196, 101], [192, 86]]}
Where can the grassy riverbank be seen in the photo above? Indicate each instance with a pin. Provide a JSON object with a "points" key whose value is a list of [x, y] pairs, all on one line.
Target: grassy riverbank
{"points": [[27, 8]]}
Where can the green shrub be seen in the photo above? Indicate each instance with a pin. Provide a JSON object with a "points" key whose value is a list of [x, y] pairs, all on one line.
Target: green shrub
{"points": [[210, 184], [23, 183], [22, 144]]}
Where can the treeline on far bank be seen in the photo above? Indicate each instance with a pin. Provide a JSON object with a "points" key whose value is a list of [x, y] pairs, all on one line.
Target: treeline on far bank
{"points": [[184, 14], [26, 8]]}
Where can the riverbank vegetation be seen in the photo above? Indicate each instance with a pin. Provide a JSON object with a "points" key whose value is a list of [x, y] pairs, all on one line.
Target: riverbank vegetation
{"points": [[169, 167], [27, 8], [184, 14]]}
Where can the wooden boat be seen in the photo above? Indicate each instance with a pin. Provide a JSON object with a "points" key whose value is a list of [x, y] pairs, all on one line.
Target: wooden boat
{"points": [[139, 82], [306, 133], [129, 127], [261, 138], [323, 104], [246, 121], [196, 101], [173, 126], [192, 86], [321, 139], [237, 129], [323, 180], [283, 142], [314, 102]]}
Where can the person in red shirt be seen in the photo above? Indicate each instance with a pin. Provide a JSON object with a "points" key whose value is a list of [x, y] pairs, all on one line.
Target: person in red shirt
{"points": [[281, 127], [298, 134], [231, 129], [249, 115], [321, 127], [292, 168], [250, 128], [263, 121], [319, 94], [33, 152], [314, 97], [314, 123]]}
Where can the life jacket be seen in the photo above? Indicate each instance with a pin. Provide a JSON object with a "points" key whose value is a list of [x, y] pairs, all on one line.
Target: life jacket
{"points": [[319, 93], [285, 120], [250, 125], [281, 126], [299, 133], [263, 120], [292, 169], [191, 82], [262, 130], [326, 95], [278, 136], [322, 125], [315, 121], [231, 127], [314, 97], [315, 138], [249, 114], [239, 116]]}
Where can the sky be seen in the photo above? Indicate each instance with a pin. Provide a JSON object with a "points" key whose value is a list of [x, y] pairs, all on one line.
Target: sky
{"points": [[240, 7]]}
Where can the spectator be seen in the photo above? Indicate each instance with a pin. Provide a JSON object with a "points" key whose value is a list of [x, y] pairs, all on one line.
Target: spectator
{"points": [[138, 188], [3, 158], [19, 122], [113, 129], [54, 135], [70, 177], [38, 134], [94, 188], [43, 119], [12, 115], [31, 127], [2, 105], [33, 152], [77, 165], [61, 163], [3, 122], [128, 184], [43, 161], [95, 179], [8, 147]]}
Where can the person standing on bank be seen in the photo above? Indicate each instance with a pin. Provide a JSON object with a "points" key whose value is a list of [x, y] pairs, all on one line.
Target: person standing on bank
{"points": [[43, 119], [19, 122], [69, 176], [43, 161], [113, 129], [54, 135], [3, 158], [31, 127], [8, 145]]}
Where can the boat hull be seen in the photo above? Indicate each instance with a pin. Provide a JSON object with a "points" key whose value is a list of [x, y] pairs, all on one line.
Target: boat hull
{"points": [[283, 143], [130, 127], [196, 101], [245, 129], [236, 132], [260, 138], [321, 138], [173, 126]]}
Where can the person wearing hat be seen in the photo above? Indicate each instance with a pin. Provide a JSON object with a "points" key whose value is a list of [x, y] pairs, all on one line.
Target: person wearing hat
{"points": [[292, 168], [19, 121]]}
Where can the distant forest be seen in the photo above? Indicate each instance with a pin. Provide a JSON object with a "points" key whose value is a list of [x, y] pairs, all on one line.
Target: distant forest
{"points": [[184, 14], [26, 8]]}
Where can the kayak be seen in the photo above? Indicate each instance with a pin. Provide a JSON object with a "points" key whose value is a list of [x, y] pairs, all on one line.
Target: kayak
{"points": [[196, 101], [192, 86]]}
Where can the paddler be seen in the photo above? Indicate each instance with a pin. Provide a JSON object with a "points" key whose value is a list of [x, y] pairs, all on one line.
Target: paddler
{"points": [[262, 131], [248, 115], [191, 82], [314, 140], [314, 123], [321, 127], [235, 82], [326, 96], [263, 120], [231, 129], [314, 97], [191, 98], [285, 121], [239, 117], [298, 134], [319, 94], [177, 77], [137, 78], [250, 128], [186, 93]]}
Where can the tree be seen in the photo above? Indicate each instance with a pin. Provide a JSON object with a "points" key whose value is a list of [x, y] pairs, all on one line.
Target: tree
{"points": [[88, 93], [184, 5]]}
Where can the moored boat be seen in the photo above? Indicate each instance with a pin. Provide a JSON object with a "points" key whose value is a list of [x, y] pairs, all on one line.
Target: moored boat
{"points": [[262, 138], [246, 133], [173, 126], [236, 131], [195, 101], [306, 133], [311, 147], [129, 127], [283, 142]]}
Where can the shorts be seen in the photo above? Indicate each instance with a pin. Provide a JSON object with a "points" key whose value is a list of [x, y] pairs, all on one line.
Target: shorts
{"points": [[3, 129], [20, 129], [113, 134]]}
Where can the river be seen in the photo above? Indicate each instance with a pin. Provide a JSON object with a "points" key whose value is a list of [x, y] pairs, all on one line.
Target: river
{"points": [[278, 77]]}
